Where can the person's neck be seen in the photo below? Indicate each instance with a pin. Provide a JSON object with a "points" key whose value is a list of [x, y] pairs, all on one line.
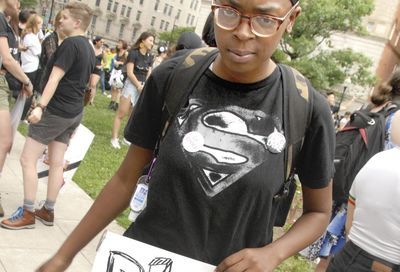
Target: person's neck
{"points": [[143, 51], [76, 32]]}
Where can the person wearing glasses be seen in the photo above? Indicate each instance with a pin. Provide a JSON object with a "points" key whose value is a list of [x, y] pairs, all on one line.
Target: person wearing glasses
{"points": [[212, 186]]}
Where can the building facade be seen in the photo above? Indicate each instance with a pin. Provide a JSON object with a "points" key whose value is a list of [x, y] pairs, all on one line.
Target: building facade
{"points": [[126, 19]]}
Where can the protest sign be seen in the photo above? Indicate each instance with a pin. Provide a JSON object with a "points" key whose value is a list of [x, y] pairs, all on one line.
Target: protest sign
{"points": [[119, 253]]}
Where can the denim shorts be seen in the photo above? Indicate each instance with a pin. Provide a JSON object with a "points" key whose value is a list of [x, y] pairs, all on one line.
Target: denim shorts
{"points": [[5, 94], [354, 259], [54, 128], [130, 91]]}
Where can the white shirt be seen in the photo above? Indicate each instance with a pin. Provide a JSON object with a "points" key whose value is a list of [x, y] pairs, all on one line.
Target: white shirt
{"points": [[30, 57], [376, 221]]}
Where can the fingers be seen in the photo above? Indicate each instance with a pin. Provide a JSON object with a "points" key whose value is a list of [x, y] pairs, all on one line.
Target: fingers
{"points": [[230, 262]]}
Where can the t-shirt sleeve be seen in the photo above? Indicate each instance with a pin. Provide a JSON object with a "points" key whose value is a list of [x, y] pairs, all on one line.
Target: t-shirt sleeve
{"points": [[65, 55], [315, 166], [352, 192], [31, 41], [132, 56], [144, 126], [3, 26]]}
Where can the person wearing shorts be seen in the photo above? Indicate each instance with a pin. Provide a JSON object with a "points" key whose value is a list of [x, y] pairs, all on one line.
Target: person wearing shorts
{"points": [[10, 67], [138, 68], [55, 117]]}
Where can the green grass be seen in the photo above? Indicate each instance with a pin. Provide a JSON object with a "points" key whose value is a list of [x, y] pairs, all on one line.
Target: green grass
{"points": [[101, 162]]}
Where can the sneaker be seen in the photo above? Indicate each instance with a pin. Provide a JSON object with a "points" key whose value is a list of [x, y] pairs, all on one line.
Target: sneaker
{"points": [[126, 142], [45, 216], [115, 107], [115, 144], [20, 219], [111, 105]]}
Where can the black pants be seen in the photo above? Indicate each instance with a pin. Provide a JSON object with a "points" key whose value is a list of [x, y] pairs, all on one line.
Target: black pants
{"points": [[354, 259]]}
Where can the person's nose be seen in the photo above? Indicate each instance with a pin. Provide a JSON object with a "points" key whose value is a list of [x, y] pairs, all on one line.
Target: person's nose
{"points": [[243, 30]]}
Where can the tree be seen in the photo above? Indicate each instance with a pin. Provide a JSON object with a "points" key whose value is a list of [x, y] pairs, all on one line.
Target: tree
{"points": [[318, 21], [28, 4], [171, 37]]}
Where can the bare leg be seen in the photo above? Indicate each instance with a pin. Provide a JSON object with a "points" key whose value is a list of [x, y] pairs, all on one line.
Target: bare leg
{"points": [[29, 157], [123, 110], [5, 136], [56, 162], [93, 80]]}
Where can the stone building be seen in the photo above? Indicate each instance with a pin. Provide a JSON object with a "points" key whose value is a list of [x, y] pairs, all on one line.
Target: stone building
{"points": [[126, 19]]}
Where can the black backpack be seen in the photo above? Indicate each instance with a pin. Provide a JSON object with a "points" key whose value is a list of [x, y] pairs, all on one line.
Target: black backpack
{"points": [[297, 105], [356, 143]]}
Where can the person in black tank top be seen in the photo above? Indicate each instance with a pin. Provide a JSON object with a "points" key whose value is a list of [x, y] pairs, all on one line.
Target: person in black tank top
{"points": [[95, 78], [119, 67]]}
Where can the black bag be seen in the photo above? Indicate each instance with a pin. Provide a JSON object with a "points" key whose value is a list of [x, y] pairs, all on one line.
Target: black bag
{"points": [[14, 85], [356, 143], [296, 104]]}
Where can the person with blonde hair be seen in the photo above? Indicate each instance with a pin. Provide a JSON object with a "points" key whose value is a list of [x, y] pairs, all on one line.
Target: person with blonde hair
{"points": [[9, 66], [31, 49], [55, 117]]}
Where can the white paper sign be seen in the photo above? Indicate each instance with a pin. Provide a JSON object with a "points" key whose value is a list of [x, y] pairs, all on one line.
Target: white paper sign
{"points": [[117, 253], [76, 151]]}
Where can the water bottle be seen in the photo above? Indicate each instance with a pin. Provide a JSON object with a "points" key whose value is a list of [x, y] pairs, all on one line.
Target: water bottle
{"points": [[139, 198]]}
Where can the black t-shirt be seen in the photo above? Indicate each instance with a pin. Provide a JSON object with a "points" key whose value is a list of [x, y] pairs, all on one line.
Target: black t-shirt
{"points": [[211, 192], [6, 31], [142, 63], [76, 57]]}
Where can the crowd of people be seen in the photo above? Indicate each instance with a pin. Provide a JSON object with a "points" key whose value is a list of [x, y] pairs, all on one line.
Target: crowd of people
{"points": [[220, 161]]}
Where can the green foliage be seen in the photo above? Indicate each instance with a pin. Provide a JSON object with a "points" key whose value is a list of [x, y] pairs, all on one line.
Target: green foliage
{"points": [[28, 3], [318, 21], [171, 37]]}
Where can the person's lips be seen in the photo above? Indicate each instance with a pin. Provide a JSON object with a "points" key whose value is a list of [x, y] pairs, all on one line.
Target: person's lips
{"points": [[241, 55]]}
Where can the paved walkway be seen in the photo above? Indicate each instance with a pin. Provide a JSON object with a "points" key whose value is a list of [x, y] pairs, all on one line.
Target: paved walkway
{"points": [[25, 250]]}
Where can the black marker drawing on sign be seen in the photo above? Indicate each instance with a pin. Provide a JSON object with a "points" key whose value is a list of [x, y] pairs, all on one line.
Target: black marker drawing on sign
{"points": [[121, 262]]}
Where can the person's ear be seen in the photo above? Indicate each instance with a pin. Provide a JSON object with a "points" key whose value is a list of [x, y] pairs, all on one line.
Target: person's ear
{"points": [[292, 19]]}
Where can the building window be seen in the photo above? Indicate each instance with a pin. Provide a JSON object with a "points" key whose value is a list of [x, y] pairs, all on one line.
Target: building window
{"points": [[134, 33], [139, 13], [192, 20], [109, 5], [141, 2], [153, 19], [123, 8], [161, 24], [191, 4], [170, 11], [156, 5], [108, 26], [187, 19], [128, 12], [181, 1], [94, 19], [196, 4], [178, 14], [97, 3], [165, 8], [115, 7], [121, 30], [166, 26]]}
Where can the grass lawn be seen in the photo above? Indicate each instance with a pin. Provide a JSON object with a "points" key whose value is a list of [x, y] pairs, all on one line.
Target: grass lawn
{"points": [[101, 161]]}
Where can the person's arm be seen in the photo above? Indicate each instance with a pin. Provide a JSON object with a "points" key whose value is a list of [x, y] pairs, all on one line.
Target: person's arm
{"points": [[129, 69], [112, 200], [56, 75], [13, 66], [351, 205], [317, 205]]}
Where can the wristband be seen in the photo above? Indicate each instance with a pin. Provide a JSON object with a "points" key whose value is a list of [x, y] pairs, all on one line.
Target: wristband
{"points": [[38, 105]]}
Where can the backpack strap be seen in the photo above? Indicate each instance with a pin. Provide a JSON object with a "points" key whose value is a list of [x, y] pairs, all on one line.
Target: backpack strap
{"points": [[297, 106], [181, 83]]}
